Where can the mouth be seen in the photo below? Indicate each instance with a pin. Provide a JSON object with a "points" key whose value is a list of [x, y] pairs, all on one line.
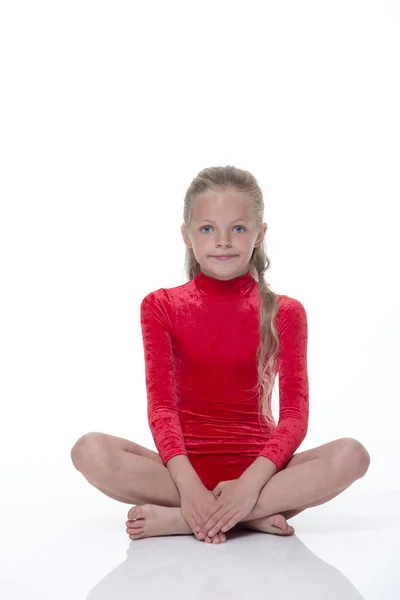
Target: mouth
{"points": [[225, 257]]}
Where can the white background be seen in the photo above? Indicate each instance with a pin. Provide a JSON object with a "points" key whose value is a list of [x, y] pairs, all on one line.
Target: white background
{"points": [[108, 111]]}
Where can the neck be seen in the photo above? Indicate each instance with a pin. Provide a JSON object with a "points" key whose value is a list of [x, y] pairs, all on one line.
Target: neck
{"points": [[236, 287]]}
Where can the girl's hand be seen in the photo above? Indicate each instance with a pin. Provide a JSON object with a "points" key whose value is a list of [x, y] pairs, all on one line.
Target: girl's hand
{"points": [[235, 500], [197, 501]]}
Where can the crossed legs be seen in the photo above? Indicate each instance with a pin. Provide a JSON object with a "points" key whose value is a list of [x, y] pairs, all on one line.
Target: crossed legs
{"points": [[133, 474]]}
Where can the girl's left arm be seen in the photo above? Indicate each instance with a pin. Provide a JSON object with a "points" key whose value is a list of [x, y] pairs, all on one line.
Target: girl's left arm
{"points": [[293, 392]]}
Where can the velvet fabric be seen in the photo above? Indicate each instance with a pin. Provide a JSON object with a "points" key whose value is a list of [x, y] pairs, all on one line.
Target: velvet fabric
{"points": [[200, 341]]}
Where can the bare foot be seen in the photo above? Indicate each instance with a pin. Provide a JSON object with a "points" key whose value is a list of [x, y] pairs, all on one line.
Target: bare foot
{"points": [[273, 524], [148, 520]]}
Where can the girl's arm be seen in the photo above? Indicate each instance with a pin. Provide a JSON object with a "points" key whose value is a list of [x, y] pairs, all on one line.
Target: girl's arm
{"points": [[293, 385], [162, 409]]}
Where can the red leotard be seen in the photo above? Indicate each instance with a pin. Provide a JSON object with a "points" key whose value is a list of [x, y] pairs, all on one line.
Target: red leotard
{"points": [[200, 341]]}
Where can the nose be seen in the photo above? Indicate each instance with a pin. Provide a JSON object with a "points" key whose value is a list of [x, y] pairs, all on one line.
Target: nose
{"points": [[223, 241], [223, 249]]}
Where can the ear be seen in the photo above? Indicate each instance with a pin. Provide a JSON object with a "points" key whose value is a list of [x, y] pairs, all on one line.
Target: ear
{"points": [[185, 237], [261, 235]]}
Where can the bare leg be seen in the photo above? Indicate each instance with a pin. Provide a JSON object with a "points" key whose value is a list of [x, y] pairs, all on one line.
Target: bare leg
{"points": [[259, 524], [124, 470], [301, 487], [346, 457], [288, 514], [110, 463], [270, 522], [308, 484], [114, 465]]}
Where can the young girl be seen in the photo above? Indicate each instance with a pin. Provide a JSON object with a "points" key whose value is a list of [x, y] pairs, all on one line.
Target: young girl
{"points": [[212, 348]]}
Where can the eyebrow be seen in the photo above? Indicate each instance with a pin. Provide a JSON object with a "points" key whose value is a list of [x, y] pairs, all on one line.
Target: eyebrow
{"points": [[209, 221]]}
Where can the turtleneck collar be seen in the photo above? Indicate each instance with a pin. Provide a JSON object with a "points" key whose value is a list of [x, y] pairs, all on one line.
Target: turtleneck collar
{"points": [[230, 288]]}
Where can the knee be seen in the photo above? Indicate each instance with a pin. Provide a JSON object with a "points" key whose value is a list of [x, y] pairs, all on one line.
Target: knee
{"points": [[353, 456], [87, 454]]}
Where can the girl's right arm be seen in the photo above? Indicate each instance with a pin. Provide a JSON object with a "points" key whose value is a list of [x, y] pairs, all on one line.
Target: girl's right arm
{"points": [[161, 390]]}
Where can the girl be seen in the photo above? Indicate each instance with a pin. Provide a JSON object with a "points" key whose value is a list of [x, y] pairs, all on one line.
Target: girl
{"points": [[212, 349]]}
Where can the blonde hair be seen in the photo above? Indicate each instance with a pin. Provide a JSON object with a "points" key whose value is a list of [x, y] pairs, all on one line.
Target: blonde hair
{"points": [[220, 179]]}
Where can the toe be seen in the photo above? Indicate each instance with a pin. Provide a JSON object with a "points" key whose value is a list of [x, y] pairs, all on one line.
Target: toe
{"points": [[134, 513], [135, 525], [134, 532]]}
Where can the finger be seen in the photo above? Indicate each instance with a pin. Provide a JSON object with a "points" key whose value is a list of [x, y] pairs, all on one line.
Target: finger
{"points": [[215, 519], [221, 537], [199, 533], [227, 522], [206, 519], [232, 522], [209, 524], [195, 526], [214, 539]]}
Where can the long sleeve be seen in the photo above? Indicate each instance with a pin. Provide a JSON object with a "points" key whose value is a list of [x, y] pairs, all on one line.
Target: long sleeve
{"points": [[293, 384], [162, 409]]}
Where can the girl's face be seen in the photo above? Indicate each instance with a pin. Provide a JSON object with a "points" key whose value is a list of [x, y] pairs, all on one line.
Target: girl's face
{"points": [[222, 224]]}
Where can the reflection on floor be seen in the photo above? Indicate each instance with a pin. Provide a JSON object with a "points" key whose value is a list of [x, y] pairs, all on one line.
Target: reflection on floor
{"points": [[63, 539]]}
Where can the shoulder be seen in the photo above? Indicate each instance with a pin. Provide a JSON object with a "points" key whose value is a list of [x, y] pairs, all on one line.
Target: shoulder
{"points": [[291, 312], [167, 295], [289, 304], [163, 299], [156, 301], [154, 297]]}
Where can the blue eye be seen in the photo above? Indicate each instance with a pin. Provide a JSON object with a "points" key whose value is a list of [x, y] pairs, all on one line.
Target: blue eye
{"points": [[235, 226]]}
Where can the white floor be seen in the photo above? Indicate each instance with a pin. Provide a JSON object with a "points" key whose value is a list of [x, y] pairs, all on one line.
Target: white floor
{"points": [[63, 539]]}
